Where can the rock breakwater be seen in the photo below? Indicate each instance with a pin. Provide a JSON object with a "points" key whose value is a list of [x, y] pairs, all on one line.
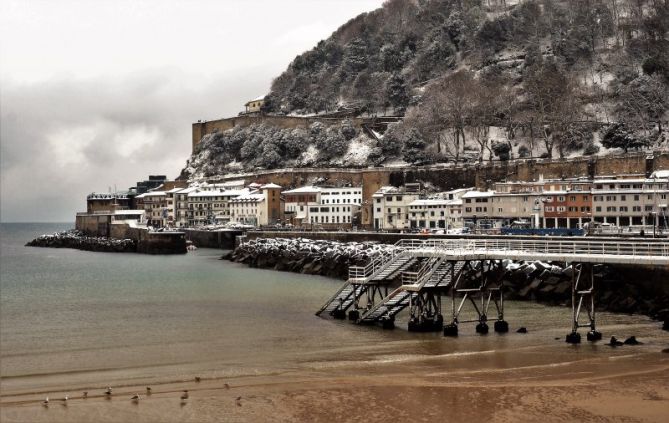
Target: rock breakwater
{"points": [[543, 282], [78, 240], [314, 257]]}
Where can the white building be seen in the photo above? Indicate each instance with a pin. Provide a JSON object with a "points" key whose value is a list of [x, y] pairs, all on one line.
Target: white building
{"points": [[435, 214], [390, 207], [210, 207], [328, 206], [258, 208]]}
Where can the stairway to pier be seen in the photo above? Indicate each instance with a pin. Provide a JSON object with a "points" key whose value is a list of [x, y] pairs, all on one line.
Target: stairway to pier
{"points": [[440, 277], [355, 287]]}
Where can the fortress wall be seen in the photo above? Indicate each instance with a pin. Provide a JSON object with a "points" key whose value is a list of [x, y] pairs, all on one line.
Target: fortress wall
{"points": [[201, 129]]}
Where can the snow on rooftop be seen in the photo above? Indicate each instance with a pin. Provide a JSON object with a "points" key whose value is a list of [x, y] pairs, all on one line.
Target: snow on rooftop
{"points": [[128, 212], [302, 190], [478, 194], [154, 194], [248, 198], [206, 194], [262, 97], [270, 186]]}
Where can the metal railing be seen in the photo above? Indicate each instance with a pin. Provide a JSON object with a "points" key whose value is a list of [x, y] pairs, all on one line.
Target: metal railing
{"points": [[575, 247], [374, 266]]}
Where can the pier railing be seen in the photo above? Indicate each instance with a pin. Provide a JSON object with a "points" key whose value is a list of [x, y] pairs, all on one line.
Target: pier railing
{"points": [[617, 248]]}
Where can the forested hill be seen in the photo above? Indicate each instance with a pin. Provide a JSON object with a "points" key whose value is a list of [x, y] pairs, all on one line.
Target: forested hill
{"points": [[487, 79]]}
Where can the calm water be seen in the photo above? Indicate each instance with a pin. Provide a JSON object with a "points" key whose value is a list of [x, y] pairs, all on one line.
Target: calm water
{"points": [[75, 318]]}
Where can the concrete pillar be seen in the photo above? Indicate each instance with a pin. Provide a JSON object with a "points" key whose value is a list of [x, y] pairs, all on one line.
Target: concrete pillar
{"points": [[618, 221], [568, 223], [556, 222]]}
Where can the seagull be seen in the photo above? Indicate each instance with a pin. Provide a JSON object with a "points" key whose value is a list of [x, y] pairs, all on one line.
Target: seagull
{"points": [[226, 386], [197, 378], [65, 398], [239, 399], [135, 398], [148, 390], [184, 396], [45, 402], [85, 394], [108, 391]]}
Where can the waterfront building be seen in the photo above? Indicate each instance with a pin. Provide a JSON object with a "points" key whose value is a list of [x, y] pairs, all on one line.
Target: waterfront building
{"points": [[108, 202], [210, 207], [259, 207], [390, 207], [336, 207], [155, 208], [181, 211]]}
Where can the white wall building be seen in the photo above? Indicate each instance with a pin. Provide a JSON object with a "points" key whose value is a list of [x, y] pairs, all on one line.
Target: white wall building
{"points": [[323, 205], [390, 208]]}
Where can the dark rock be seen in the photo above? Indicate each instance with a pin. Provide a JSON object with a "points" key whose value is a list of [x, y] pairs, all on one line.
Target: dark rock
{"points": [[632, 341], [614, 342], [522, 330]]}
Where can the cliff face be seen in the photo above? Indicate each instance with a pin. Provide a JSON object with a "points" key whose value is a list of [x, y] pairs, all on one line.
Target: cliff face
{"points": [[474, 80]]}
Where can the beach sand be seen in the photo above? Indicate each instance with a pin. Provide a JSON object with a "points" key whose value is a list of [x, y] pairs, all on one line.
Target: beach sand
{"points": [[630, 385]]}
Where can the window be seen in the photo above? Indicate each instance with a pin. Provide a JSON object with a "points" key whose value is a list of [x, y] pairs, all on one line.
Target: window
{"points": [[623, 208], [636, 208], [636, 198], [611, 208], [623, 198], [598, 208], [572, 198]]}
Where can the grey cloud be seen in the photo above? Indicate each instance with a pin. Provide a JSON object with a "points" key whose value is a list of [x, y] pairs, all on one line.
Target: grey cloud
{"points": [[38, 184]]}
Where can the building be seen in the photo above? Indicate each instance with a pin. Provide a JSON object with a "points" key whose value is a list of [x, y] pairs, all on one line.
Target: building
{"points": [[335, 207], [255, 105], [155, 208], [108, 202], [210, 207], [436, 213], [181, 211], [260, 207], [390, 207]]}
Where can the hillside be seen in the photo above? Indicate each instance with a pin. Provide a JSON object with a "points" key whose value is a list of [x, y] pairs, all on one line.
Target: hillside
{"points": [[474, 80]]}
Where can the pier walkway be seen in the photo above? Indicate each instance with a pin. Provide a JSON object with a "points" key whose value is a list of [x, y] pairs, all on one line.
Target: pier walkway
{"points": [[421, 272]]}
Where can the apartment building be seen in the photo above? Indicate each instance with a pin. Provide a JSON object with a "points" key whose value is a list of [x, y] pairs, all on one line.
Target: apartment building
{"points": [[435, 214], [325, 206], [391, 207], [154, 204], [261, 207]]}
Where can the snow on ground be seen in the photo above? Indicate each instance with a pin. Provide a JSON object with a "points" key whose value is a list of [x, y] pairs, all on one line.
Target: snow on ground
{"points": [[358, 151], [309, 156]]}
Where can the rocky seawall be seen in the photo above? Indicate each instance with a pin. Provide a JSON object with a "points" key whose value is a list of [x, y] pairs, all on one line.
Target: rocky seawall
{"points": [[628, 290], [78, 240]]}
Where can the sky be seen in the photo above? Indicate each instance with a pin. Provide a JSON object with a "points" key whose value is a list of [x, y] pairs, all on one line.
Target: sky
{"points": [[98, 94]]}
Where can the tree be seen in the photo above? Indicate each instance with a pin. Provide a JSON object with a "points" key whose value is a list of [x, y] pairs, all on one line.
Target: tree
{"points": [[644, 100], [397, 93], [414, 148], [619, 136], [502, 150], [552, 101]]}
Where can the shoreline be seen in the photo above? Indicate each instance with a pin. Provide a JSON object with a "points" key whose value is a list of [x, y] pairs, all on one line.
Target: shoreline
{"points": [[632, 385]]}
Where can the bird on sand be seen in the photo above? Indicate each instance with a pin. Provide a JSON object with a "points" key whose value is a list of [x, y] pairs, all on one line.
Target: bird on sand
{"points": [[238, 401], [135, 398], [64, 399], [85, 394], [148, 390], [108, 391], [226, 386], [45, 402], [184, 396], [198, 378]]}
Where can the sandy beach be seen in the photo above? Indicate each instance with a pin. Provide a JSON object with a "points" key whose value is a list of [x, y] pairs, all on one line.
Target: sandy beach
{"points": [[629, 384]]}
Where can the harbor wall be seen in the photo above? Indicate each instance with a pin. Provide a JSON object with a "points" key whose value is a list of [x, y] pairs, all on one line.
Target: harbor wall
{"points": [[212, 239], [150, 242]]}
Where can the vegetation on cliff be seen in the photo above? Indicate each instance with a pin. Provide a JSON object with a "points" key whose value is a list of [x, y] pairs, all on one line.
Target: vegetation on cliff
{"points": [[483, 80]]}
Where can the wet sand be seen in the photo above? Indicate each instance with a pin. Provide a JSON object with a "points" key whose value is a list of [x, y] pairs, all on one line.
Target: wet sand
{"points": [[557, 384]]}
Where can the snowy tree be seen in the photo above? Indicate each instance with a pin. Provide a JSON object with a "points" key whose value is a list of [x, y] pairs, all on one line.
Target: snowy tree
{"points": [[619, 136], [397, 93]]}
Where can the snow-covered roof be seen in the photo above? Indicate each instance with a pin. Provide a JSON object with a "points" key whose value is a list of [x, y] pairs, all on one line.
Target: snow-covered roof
{"points": [[252, 198], [205, 194], [127, 212], [262, 97], [303, 190], [660, 174], [154, 194], [478, 194], [105, 195], [188, 190], [173, 190], [270, 186]]}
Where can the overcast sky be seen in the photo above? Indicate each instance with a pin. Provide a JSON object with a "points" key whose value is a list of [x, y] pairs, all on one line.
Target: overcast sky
{"points": [[97, 94]]}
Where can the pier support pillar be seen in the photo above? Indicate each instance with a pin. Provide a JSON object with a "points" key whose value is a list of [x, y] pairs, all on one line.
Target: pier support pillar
{"points": [[583, 298]]}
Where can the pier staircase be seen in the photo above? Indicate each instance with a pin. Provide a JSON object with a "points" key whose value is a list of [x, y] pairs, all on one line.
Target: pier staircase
{"points": [[381, 270], [435, 274]]}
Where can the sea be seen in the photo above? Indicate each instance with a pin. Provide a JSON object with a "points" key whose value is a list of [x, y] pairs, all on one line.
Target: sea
{"points": [[74, 319]]}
